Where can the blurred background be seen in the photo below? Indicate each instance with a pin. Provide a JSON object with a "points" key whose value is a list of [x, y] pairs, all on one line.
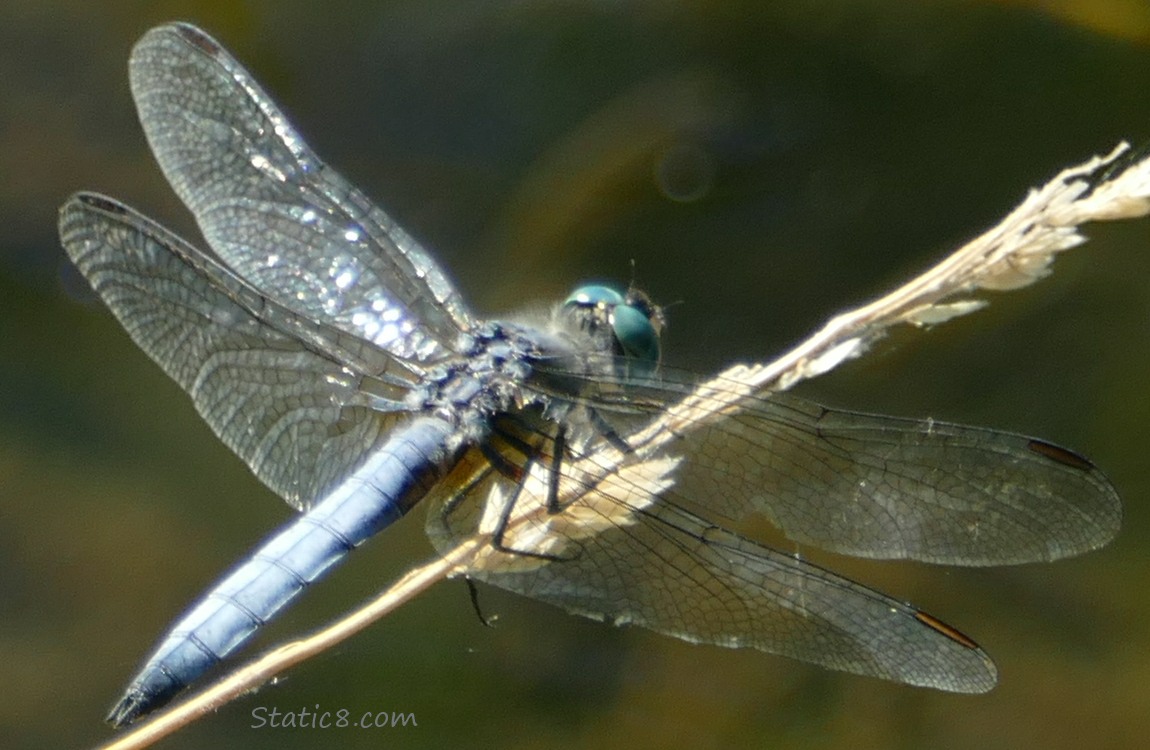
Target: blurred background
{"points": [[758, 165]]}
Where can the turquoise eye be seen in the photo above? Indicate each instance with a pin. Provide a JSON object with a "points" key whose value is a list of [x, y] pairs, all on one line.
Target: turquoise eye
{"points": [[594, 295], [633, 321], [635, 334]]}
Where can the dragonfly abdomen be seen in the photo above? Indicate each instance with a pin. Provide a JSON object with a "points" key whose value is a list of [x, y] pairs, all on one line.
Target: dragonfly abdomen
{"points": [[376, 495]]}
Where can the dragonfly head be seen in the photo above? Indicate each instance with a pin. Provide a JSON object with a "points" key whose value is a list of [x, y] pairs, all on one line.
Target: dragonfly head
{"points": [[630, 323]]}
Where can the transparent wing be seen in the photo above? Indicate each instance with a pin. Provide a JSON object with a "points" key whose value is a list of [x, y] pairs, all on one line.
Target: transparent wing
{"points": [[867, 485], [290, 396], [884, 487], [623, 554], [273, 212]]}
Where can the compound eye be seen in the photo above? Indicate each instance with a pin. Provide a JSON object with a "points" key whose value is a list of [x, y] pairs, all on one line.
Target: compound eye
{"points": [[633, 320], [594, 295], [636, 336]]}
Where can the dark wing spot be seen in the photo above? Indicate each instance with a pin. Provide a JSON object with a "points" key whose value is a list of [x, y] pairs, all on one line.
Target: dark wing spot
{"points": [[938, 625], [197, 38], [1061, 455]]}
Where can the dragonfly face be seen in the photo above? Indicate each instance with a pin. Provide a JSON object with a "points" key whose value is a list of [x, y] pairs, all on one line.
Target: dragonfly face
{"points": [[326, 348], [626, 326]]}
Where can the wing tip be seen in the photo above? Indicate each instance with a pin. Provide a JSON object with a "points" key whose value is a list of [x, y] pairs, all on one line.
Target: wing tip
{"points": [[195, 36], [980, 677], [1061, 455]]}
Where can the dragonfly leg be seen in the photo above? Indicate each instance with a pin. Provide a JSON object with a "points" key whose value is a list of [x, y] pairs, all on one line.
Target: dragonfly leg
{"points": [[608, 432], [473, 592], [517, 474], [560, 447]]}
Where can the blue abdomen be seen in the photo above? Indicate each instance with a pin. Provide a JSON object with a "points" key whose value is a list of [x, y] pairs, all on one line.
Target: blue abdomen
{"points": [[377, 494]]}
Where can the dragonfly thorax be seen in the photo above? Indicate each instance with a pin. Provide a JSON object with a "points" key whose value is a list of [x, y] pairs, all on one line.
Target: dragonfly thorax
{"points": [[486, 378]]}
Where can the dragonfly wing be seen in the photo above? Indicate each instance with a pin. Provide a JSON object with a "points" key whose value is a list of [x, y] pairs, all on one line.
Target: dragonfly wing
{"points": [[277, 215], [286, 394], [622, 554], [861, 484], [885, 487]]}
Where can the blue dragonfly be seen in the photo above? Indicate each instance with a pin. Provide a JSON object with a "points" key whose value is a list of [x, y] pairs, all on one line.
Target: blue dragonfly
{"points": [[327, 349]]}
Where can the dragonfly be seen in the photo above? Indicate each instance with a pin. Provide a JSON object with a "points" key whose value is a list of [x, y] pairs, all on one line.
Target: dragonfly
{"points": [[333, 355]]}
